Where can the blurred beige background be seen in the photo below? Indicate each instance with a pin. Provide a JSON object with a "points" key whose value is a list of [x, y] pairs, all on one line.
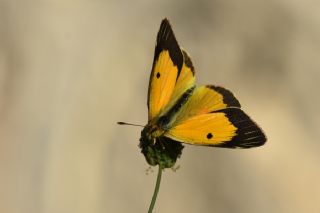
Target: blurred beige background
{"points": [[69, 70]]}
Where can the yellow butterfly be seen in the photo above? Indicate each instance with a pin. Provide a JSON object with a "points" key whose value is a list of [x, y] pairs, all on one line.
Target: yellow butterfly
{"points": [[180, 112]]}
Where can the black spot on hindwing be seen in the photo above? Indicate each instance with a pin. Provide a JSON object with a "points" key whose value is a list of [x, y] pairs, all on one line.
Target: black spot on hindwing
{"points": [[209, 135]]}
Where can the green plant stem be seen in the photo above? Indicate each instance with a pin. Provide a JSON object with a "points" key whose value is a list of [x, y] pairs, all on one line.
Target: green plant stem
{"points": [[156, 190]]}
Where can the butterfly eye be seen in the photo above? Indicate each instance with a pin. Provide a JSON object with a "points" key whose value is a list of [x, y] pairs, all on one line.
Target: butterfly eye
{"points": [[158, 75], [209, 135]]}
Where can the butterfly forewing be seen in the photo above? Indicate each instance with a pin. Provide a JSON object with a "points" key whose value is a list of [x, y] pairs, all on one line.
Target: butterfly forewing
{"points": [[172, 73], [167, 64]]}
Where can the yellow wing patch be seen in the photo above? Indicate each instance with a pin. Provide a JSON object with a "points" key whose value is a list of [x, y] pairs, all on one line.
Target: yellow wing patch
{"points": [[163, 79], [205, 129], [186, 77], [184, 82], [206, 99]]}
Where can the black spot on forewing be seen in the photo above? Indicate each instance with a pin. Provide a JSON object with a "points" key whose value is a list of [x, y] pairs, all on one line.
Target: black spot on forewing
{"points": [[158, 75], [248, 133], [228, 97], [209, 135]]}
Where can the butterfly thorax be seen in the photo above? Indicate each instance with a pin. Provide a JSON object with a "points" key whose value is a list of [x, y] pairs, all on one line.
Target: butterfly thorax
{"points": [[157, 149]]}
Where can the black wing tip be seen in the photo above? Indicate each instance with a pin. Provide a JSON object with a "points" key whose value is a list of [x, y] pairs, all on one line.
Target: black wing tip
{"points": [[166, 40], [228, 96], [249, 134], [165, 28], [187, 60], [165, 21], [165, 34]]}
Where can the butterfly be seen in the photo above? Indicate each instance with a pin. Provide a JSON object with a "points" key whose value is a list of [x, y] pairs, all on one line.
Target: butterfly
{"points": [[179, 112]]}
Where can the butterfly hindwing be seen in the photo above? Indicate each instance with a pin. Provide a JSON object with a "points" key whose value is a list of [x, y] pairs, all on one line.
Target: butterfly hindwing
{"points": [[167, 63], [212, 117], [229, 128]]}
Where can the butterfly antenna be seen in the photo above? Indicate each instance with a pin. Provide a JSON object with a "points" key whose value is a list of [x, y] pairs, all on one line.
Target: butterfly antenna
{"points": [[124, 123]]}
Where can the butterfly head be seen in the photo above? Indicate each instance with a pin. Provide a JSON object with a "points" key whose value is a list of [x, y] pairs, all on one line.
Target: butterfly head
{"points": [[157, 149], [153, 131]]}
